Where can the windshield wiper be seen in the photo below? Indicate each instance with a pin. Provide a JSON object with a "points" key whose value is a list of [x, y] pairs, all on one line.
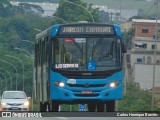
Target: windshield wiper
{"points": [[107, 55]]}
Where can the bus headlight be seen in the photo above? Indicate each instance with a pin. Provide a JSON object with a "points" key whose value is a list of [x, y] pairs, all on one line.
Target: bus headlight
{"points": [[61, 84], [113, 84]]}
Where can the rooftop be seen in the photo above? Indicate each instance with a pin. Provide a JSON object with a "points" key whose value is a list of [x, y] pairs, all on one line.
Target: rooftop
{"points": [[146, 52], [145, 21], [156, 88]]}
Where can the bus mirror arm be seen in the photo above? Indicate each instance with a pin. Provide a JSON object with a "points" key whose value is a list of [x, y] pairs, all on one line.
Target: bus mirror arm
{"points": [[124, 49]]}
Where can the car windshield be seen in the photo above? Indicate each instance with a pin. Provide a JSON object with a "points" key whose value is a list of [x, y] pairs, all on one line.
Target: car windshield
{"points": [[87, 54], [14, 95]]}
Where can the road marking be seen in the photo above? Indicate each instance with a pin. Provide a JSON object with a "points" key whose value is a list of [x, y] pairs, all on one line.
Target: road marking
{"points": [[62, 118]]}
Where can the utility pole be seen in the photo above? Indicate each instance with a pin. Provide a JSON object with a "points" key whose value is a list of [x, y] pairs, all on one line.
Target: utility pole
{"points": [[116, 102], [155, 47], [120, 17], [111, 14]]}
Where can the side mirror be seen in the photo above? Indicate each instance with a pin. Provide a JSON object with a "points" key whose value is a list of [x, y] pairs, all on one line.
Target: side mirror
{"points": [[124, 49]]}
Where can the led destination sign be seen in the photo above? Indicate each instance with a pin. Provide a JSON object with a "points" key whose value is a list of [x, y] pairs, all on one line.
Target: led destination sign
{"points": [[87, 29]]}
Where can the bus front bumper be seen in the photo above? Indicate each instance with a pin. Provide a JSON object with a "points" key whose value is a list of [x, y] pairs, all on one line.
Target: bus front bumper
{"points": [[87, 95]]}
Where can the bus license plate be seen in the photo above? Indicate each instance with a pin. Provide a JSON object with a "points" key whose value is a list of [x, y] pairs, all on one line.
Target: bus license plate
{"points": [[86, 92]]}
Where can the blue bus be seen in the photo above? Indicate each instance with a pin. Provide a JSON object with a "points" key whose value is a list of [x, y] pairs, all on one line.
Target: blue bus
{"points": [[79, 64]]}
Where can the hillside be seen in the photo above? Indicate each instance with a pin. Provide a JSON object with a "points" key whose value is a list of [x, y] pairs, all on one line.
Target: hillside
{"points": [[125, 4], [114, 4]]}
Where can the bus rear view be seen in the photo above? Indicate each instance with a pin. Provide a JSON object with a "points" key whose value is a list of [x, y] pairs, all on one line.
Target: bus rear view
{"points": [[84, 66]]}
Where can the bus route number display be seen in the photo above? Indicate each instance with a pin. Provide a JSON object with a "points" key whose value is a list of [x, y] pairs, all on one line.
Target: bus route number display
{"points": [[64, 30]]}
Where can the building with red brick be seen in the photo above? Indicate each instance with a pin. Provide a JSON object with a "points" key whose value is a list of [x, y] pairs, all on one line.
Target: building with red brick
{"points": [[142, 54]]}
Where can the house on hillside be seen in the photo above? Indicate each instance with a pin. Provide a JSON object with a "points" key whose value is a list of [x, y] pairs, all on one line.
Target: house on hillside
{"points": [[141, 58]]}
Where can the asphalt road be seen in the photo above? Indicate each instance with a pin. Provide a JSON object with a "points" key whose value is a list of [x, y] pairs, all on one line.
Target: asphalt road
{"points": [[81, 116], [84, 118]]}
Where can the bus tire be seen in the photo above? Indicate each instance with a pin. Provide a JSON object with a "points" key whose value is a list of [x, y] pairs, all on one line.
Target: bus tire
{"points": [[43, 106], [100, 107], [91, 107], [54, 106], [110, 106]]}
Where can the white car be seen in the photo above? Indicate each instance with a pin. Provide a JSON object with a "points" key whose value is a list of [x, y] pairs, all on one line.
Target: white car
{"points": [[14, 100]]}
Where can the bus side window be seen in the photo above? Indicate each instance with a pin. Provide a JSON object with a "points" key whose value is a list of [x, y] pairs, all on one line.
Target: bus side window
{"points": [[43, 45], [39, 52], [36, 55], [40, 56], [46, 52], [52, 51]]}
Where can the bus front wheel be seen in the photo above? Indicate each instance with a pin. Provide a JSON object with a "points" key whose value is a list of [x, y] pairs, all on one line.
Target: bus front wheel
{"points": [[110, 106], [91, 107], [54, 106], [100, 107], [43, 106]]}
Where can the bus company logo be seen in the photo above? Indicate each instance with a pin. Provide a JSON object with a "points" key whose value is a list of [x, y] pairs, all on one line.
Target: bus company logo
{"points": [[71, 81], [86, 92]]}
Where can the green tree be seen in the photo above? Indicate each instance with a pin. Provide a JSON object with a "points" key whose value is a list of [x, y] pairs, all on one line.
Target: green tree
{"points": [[74, 11], [6, 9], [135, 99], [127, 36], [29, 8], [15, 27]]}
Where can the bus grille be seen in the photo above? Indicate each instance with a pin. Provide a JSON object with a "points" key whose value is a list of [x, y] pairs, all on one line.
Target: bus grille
{"points": [[86, 95], [83, 85]]}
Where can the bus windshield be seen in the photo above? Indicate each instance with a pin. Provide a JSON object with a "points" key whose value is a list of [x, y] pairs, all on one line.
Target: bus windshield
{"points": [[87, 54]]}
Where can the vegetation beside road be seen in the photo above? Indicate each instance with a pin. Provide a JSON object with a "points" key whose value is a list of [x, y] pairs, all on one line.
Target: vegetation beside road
{"points": [[17, 25], [135, 99]]}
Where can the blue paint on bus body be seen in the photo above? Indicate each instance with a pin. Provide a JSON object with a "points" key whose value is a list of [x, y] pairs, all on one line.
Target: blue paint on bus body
{"points": [[55, 29], [118, 30], [103, 93]]}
